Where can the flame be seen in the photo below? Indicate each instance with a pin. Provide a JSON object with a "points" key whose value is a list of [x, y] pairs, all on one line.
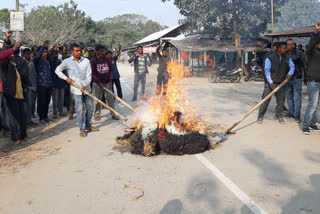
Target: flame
{"points": [[174, 109]]}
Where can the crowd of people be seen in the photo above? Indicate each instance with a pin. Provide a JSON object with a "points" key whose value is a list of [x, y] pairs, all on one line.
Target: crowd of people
{"points": [[287, 62], [32, 78]]}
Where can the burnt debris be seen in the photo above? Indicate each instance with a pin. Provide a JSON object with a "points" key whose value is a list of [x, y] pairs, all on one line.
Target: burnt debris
{"points": [[160, 141]]}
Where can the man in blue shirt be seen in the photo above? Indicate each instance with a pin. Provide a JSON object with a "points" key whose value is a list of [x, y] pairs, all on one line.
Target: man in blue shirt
{"points": [[278, 67]]}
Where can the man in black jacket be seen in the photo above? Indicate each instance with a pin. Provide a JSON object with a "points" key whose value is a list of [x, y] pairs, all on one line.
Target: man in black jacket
{"points": [[278, 67], [294, 86], [313, 77], [15, 79]]}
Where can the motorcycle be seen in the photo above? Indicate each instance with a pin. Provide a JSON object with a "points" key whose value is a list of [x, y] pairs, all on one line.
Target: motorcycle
{"points": [[222, 74], [256, 73]]}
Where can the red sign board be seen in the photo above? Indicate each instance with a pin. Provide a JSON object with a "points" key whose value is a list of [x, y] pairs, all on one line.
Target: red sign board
{"points": [[149, 50]]}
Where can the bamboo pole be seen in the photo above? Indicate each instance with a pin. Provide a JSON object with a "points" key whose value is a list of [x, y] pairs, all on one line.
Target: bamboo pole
{"points": [[121, 100], [257, 106], [99, 101]]}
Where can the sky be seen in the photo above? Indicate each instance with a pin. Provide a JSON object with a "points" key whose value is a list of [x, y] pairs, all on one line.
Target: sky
{"points": [[164, 13]]}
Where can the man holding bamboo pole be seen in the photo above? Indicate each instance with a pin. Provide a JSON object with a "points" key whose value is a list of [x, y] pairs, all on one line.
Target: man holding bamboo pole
{"points": [[278, 67], [79, 71], [102, 78]]}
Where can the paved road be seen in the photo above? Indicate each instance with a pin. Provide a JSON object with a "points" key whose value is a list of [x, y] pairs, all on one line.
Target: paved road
{"points": [[270, 168]]}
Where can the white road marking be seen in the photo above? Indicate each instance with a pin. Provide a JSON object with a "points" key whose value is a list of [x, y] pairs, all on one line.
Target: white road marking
{"points": [[255, 208]]}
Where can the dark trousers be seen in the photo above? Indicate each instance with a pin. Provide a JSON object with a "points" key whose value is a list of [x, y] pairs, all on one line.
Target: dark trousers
{"points": [[162, 81], [1, 111], [280, 98], [30, 104], [44, 96], [137, 79], [117, 83], [17, 118]]}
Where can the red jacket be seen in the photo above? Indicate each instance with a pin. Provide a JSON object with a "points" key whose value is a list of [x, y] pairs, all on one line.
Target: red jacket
{"points": [[5, 54]]}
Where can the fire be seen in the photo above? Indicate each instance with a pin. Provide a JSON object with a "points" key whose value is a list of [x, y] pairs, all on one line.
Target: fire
{"points": [[174, 111]]}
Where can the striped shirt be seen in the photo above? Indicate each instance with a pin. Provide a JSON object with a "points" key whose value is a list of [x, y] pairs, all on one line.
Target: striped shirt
{"points": [[142, 63]]}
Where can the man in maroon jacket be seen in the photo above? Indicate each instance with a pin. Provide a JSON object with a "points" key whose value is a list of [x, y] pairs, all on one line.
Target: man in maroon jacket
{"points": [[102, 78]]}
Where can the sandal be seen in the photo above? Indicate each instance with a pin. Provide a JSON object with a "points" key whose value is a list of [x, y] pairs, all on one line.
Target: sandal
{"points": [[92, 129], [83, 134]]}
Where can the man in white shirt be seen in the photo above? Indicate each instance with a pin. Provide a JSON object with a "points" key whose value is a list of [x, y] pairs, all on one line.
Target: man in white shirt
{"points": [[79, 71]]}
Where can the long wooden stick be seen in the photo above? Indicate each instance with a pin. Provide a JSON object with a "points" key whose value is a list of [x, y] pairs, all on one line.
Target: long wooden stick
{"points": [[257, 106], [99, 101], [118, 98]]}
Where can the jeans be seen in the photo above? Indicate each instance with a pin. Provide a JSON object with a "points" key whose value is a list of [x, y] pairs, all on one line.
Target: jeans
{"points": [[98, 92], [137, 79], [294, 96], [58, 100], [44, 96], [17, 118], [84, 103], [311, 117], [30, 104], [117, 83], [280, 98]]}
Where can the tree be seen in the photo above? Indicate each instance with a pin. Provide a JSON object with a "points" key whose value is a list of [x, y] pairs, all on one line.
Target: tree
{"points": [[124, 29], [4, 21], [228, 19], [61, 24], [297, 13]]}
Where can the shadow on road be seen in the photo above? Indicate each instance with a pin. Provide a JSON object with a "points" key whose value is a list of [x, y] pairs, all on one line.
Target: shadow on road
{"points": [[305, 201], [270, 170]]}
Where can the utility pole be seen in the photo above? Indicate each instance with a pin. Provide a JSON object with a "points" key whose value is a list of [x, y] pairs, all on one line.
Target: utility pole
{"points": [[18, 37], [271, 16]]}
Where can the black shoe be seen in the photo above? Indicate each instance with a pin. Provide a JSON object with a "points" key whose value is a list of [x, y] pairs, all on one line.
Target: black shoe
{"points": [[280, 119], [115, 118], [314, 128], [134, 99], [306, 131], [298, 119], [260, 120]]}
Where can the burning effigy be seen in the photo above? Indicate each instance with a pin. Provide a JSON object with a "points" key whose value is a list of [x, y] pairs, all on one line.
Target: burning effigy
{"points": [[170, 125]]}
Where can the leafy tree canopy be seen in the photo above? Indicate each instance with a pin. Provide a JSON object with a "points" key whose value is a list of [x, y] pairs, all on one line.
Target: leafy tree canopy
{"points": [[228, 18], [297, 14]]}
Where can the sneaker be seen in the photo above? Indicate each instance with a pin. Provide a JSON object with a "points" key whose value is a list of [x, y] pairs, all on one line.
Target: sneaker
{"points": [[92, 129], [260, 120], [47, 120], [280, 119], [55, 117], [83, 134], [314, 128], [306, 131], [298, 119], [115, 118]]}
